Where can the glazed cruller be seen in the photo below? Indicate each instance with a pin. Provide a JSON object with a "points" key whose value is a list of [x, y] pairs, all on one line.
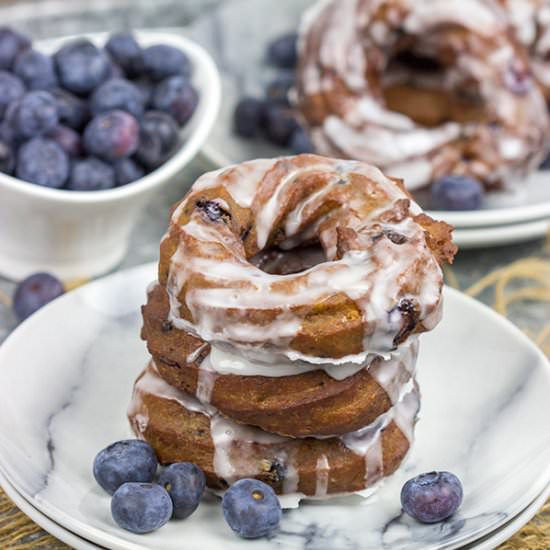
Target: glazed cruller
{"points": [[284, 325]]}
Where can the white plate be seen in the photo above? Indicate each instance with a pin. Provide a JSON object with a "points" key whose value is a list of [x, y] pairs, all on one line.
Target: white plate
{"points": [[43, 521], [66, 380], [505, 532], [236, 34], [486, 543], [480, 237]]}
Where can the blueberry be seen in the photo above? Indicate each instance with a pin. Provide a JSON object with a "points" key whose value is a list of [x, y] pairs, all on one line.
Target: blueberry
{"points": [[115, 70], [277, 91], [141, 507], [431, 497], [11, 43], [185, 484], [213, 210], [300, 142], [36, 70], [283, 51], [161, 61], [158, 137], [72, 110], [127, 171], [7, 158], [7, 134], [176, 96], [545, 164], [279, 125], [11, 88], [81, 66], [147, 88], [34, 114], [34, 292], [91, 174], [42, 161], [126, 52], [517, 78], [457, 193], [248, 117], [112, 135], [68, 139], [251, 508], [123, 461], [117, 93]]}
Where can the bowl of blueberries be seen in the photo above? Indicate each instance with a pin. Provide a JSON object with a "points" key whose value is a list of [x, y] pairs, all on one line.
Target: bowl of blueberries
{"points": [[90, 128]]}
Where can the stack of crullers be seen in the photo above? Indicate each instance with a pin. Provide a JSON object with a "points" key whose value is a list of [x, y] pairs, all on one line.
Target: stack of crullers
{"points": [[283, 329]]}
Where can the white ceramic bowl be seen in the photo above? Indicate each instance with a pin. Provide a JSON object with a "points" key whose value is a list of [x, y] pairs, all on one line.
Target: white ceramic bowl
{"points": [[83, 234]]}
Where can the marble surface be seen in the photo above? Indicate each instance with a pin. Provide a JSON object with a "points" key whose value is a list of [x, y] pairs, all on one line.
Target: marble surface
{"points": [[486, 401]]}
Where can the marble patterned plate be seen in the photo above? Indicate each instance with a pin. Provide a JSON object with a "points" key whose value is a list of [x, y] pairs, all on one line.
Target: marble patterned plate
{"points": [[66, 380], [58, 531], [485, 543], [481, 237], [236, 34]]}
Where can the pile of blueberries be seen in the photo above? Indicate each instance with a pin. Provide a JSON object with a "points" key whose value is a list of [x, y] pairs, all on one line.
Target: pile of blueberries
{"points": [[142, 501], [272, 116], [89, 118]]}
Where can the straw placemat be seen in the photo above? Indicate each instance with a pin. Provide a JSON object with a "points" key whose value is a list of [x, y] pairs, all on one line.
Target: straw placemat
{"points": [[527, 280]]}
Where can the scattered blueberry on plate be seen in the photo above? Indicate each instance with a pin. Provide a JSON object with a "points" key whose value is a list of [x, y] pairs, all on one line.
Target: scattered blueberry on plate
{"points": [[457, 193], [140, 504], [108, 116], [272, 116], [279, 124], [432, 497], [125, 461], [141, 507], [248, 117], [544, 165], [185, 483], [283, 51], [278, 90], [35, 292], [300, 142], [251, 508]]}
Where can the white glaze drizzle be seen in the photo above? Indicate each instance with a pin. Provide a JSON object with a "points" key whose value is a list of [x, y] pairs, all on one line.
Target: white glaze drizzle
{"points": [[206, 379], [372, 278], [322, 472], [337, 37], [531, 19], [228, 360], [234, 442]]}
